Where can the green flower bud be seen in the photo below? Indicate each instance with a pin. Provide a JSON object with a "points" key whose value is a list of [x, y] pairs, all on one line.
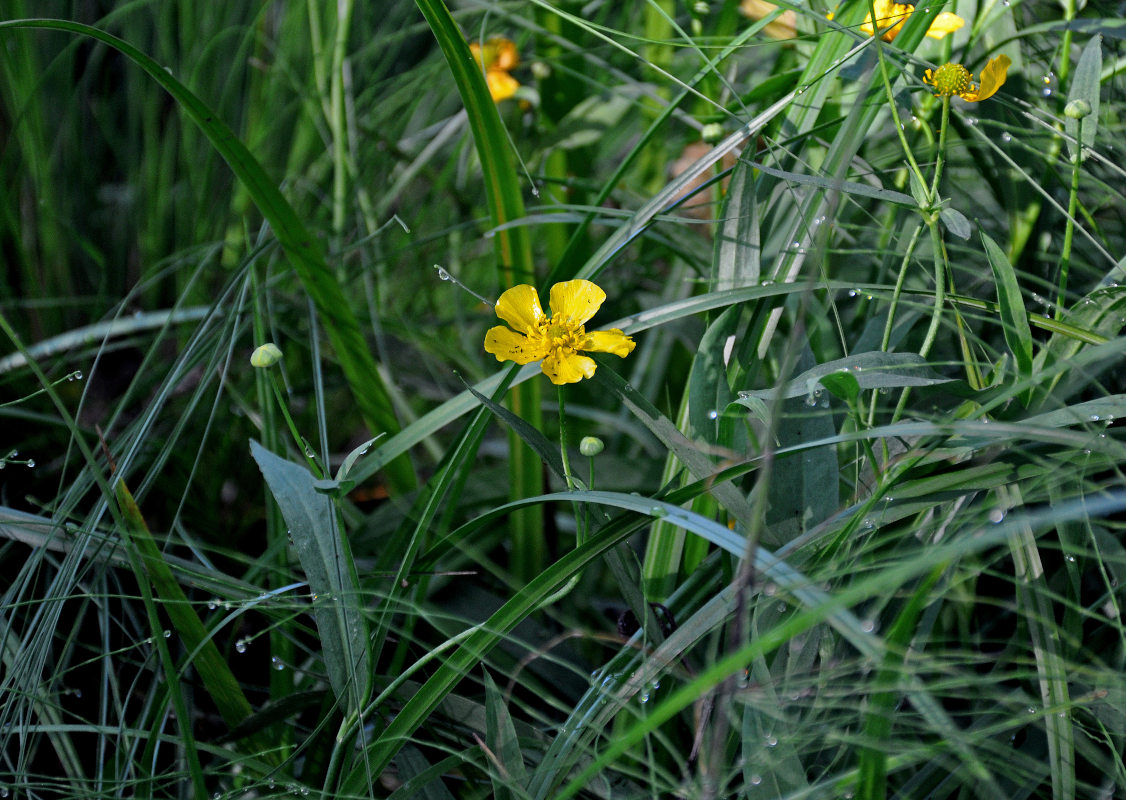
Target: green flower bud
{"points": [[591, 446], [1077, 109], [265, 356], [712, 132]]}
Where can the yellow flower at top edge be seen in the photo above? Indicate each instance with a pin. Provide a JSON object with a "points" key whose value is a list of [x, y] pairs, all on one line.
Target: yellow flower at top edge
{"points": [[891, 16], [557, 339], [497, 57], [952, 80]]}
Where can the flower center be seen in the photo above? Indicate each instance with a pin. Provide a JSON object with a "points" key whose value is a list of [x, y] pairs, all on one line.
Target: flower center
{"points": [[951, 79], [561, 333]]}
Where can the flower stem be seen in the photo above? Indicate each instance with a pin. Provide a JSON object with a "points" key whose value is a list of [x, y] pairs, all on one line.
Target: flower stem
{"points": [[1069, 230], [563, 442], [940, 160]]}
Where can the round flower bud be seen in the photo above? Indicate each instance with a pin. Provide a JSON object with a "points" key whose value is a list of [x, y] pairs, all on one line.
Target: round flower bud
{"points": [[1077, 109], [265, 356], [712, 132], [591, 446]]}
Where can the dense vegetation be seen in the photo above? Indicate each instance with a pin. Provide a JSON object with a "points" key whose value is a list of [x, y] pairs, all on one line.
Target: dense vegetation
{"points": [[839, 513]]}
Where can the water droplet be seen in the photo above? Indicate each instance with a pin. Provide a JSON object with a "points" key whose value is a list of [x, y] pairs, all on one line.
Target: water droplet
{"points": [[771, 741], [1047, 91], [713, 414], [1006, 137], [490, 234], [756, 780], [658, 511], [535, 191], [811, 400], [868, 626], [31, 463], [3, 791], [168, 634], [770, 589], [643, 696], [1094, 418], [868, 524], [443, 275], [996, 515], [1031, 709], [781, 607], [971, 121], [276, 663], [240, 646], [1070, 558]]}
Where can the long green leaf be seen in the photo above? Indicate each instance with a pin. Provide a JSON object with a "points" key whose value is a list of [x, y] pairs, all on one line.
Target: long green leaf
{"points": [[301, 247], [514, 253]]}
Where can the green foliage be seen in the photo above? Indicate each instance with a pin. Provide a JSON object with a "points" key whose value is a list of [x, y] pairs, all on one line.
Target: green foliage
{"points": [[856, 527]]}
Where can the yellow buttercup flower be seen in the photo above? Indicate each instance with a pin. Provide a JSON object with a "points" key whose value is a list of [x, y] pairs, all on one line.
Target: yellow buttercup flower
{"points": [[497, 57], [558, 339], [891, 16], [952, 80]]}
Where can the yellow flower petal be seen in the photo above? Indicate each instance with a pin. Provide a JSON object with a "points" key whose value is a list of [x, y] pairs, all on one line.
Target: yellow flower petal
{"points": [[576, 301], [520, 308], [992, 78], [611, 341], [784, 26], [889, 18], [507, 345], [943, 24], [501, 85], [568, 368], [507, 57]]}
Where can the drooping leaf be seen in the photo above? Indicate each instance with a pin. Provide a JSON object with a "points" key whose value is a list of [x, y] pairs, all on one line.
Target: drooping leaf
{"points": [[327, 561]]}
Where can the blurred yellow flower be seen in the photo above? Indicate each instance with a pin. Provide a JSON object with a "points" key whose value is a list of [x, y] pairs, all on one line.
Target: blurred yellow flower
{"points": [[891, 16], [951, 80], [557, 339], [497, 57], [784, 26]]}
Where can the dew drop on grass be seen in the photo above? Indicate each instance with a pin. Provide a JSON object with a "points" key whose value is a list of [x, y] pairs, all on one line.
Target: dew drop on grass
{"points": [[771, 741], [443, 275], [713, 414], [31, 463], [276, 663], [868, 626], [168, 634], [756, 780], [996, 515], [1070, 559], [1006, 137], [658, 511], [240, 646]]}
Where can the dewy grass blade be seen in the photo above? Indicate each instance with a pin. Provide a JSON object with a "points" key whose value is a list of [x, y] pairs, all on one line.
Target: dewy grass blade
{"points": [[300, 246]]}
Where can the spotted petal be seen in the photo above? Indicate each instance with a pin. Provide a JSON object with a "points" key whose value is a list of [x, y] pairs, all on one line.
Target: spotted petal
{"points": [[508, 345], [567, 368], [611, 341], [992, 78], [577, 300], [520, 308]]}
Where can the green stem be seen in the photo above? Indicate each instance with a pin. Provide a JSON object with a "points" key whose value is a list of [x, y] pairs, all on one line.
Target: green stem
{"points": [[1069, 230], [297, 437], [940, 160], [885, 341], [563, 442]]}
